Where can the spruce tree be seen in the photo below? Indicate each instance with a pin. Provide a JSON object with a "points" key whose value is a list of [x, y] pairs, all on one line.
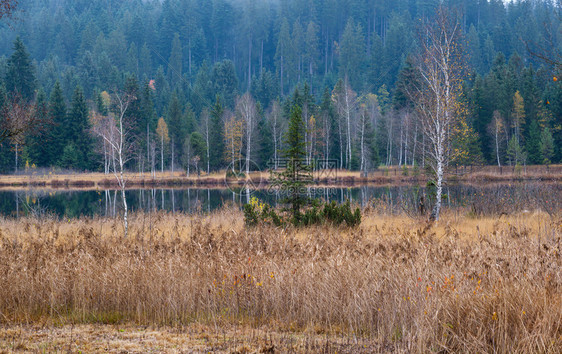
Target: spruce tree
{"points": [[20, 77], [34, 149], [134, 110], [174, 120], [546, 146], [297, 174], [77, 128], [533, 143], [216, 140], [56, 137]]}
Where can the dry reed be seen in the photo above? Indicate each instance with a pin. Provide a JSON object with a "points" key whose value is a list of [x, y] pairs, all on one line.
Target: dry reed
{"points": [[477, 285]]}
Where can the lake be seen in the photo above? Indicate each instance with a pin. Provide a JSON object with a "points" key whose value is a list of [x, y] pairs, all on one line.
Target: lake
{"points": [[485, 199]]}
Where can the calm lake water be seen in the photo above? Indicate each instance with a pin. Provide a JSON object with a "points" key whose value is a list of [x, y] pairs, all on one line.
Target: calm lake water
{"points": [[484, 200]]}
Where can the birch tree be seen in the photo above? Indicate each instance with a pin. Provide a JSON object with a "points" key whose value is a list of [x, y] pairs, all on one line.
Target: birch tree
{"points": [[18, 116], [497, 130], [437, 93], [363, 122], [115, 131], [345, 101], [162, 131], [246, 110], [233, 136], [205, 122]]}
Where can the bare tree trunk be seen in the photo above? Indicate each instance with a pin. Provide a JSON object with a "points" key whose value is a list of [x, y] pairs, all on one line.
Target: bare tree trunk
{"points": [[406, 136], [125, 210], [153, 159], [401, 144], [147, 143], [423, 151], [275, 157], [348, 118], [207, 142], [327, 139], [363, 169], [341, 143], [438, 195], [413, 160], [17, 157], [105, 164], [497, 142]]}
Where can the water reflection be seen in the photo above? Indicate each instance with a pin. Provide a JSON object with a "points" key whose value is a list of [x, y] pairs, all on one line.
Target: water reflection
{"points": [[494, 199]]}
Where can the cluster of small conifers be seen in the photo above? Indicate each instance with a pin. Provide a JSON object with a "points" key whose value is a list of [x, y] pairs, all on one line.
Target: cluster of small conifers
{"points": [[317, 213], [397, 284]]}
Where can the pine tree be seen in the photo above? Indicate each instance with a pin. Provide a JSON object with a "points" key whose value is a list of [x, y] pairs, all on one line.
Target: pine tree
{"points": [[216, 140], [514, 152], [175, 72], [546, 146], [225, 81], [77, 128], [352, 53], [20, 77], [35, 147], [532, 144], [311, 50], [176, 123], [283, 54], [56, 137], [297, 174]]}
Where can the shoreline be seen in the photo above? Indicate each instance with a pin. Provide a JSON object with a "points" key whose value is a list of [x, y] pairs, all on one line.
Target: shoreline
{"points": [[381, 177]]}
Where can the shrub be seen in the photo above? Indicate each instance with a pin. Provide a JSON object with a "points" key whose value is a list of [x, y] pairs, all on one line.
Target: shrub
{"points": [[257, 212], [318, 213], [405, 170]]}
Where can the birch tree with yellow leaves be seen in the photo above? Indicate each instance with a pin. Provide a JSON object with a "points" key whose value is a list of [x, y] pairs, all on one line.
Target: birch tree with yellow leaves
{"points": [[162, 131], [233, 138], [438, 90]]}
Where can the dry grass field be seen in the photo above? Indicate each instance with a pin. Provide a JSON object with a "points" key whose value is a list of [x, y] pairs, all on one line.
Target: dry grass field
{"points": [[205, 283]]}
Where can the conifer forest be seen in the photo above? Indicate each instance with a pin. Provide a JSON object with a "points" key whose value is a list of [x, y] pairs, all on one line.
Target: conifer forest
{"points": [[200, 75]]}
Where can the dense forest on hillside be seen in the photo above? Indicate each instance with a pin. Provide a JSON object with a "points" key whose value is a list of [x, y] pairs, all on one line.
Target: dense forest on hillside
{"points": [[211, 81]]}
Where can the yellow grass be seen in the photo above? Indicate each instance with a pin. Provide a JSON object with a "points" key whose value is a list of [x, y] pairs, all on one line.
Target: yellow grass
{"points": [[465, 284]]}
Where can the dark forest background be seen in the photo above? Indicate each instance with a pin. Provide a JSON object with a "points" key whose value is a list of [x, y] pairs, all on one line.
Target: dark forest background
{"points": [[191, 61]]}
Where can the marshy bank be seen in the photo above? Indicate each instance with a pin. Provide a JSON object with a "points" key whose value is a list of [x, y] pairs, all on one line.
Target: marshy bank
{"points": [[178, 179]]}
